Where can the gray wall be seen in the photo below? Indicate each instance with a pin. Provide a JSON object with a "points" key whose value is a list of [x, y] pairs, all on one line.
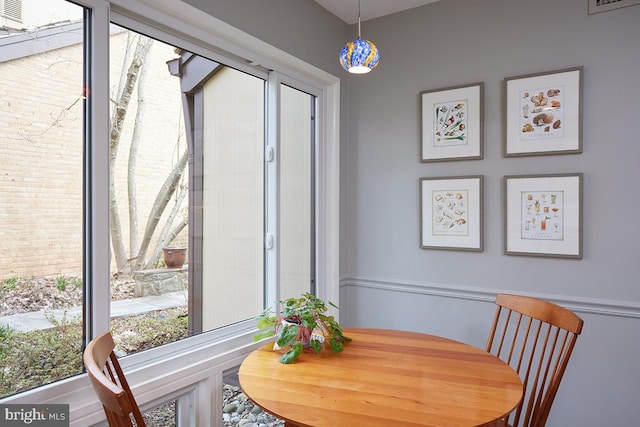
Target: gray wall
{"points": [[388, 281], [302, 28], [455, 42]]}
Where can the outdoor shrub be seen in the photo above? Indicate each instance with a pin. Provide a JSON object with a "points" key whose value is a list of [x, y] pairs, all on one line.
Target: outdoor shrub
{"points": [[39, 357], [34, 358], [10, 284], [61, 283], [6, 336]]}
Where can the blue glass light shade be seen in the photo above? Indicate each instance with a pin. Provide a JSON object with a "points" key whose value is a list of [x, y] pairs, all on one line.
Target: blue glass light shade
{"points": [[359, 56]]}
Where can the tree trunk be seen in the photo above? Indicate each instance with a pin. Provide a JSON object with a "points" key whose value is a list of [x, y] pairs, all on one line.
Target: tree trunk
{"points": [[134, 241], [117, 122], [162, 199]]}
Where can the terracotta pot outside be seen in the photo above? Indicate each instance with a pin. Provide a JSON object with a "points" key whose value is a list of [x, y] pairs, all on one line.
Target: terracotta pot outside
{"points": [[175, 257]]}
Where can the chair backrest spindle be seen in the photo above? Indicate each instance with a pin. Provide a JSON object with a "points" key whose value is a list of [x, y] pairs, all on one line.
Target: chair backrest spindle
{"points": [[540, 337]]}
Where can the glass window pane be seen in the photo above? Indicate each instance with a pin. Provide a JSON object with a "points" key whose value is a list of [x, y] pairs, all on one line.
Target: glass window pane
{"points": [[41, 195], [296, 193], [232, 198], [167, 104], [148, 202], [162, 416]]}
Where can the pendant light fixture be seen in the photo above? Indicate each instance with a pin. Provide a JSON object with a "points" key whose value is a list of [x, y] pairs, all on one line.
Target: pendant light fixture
{"points": [[359, 56]]}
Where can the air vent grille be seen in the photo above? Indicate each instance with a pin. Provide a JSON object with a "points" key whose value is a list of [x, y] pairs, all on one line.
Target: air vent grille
{"points": [[12, 9]]}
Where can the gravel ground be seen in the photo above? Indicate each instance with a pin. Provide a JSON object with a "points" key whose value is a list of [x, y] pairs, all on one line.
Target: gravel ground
{"points": [[40, 293], [238, 410]]}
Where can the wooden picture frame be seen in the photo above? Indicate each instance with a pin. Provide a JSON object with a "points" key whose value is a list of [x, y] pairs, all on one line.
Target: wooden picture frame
{"points": [[543, 215], [542, 113], [451, 213], [452, 123]]}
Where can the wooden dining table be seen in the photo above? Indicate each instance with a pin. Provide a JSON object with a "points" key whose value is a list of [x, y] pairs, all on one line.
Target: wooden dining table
{"points": [[383, 378]]}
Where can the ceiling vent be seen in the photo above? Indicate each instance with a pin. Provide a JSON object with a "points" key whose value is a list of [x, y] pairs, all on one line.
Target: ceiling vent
{"points": [[12, 9]]}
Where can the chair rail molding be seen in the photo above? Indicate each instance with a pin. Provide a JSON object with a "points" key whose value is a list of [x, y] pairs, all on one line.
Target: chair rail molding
{"points": [[603, 307]]}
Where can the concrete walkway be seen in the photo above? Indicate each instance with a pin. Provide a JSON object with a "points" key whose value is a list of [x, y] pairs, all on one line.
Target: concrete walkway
{"points": [[130, 307]]}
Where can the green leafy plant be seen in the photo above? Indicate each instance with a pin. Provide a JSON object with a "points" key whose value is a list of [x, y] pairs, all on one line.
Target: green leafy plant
{"points": [[301, 324], [61, 283], [10, 283]]}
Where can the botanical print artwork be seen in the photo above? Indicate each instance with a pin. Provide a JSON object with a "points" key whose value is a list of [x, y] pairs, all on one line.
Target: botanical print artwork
{"points": [[450, 213], [542, 215], [450, 119], [542, 113]]}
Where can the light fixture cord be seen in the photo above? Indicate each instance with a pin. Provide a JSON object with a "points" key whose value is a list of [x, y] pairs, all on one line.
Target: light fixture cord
{"points": [[359, 35]]}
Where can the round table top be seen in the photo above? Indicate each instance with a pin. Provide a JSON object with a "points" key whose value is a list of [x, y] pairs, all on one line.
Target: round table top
{"points": [[383, 378]]}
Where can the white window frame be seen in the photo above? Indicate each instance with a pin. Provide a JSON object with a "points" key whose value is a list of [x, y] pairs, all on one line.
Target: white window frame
{"points": [[193, 367]]}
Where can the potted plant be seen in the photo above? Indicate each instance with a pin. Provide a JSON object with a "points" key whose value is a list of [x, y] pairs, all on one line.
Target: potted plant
{"points": [[301, 324]]}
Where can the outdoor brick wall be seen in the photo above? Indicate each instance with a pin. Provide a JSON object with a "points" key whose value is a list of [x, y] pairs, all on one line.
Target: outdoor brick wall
{"points": [[41, 149]]}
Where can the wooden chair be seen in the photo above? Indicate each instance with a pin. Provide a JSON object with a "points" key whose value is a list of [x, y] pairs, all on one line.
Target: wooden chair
{"points": [[110, 384], [536, 338]]}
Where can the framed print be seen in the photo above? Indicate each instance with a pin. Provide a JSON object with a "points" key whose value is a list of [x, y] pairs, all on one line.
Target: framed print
{"points": [[596, 6], [452, 126], [543, 215], [451, 213], [543, 113]]}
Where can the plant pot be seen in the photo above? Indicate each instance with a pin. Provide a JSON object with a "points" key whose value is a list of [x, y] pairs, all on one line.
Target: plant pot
{"points": [[174, 257]]}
